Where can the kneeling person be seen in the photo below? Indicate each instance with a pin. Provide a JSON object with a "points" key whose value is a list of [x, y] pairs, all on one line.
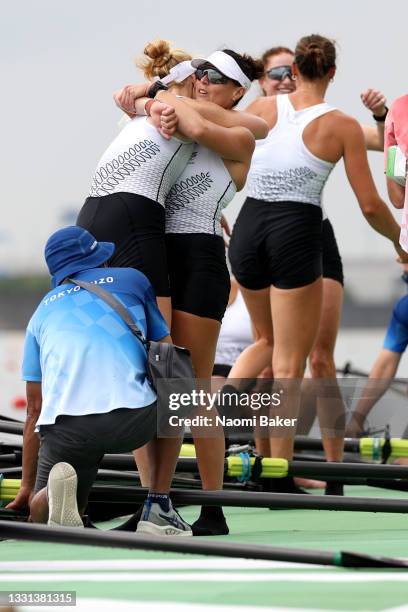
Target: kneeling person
{"points": [[87, 391]]}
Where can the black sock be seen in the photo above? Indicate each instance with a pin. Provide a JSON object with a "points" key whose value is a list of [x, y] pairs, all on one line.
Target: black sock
{"points": [[334, 488], [212, 512], [210, 522]]}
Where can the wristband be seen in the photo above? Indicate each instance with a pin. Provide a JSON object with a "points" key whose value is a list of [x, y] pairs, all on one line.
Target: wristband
{"points": [[382, 118], [157, 86]]}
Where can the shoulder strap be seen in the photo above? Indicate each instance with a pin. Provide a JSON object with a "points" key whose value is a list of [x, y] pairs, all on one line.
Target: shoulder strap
{"points": [[115, 305], [283, 108], [314, 112]]}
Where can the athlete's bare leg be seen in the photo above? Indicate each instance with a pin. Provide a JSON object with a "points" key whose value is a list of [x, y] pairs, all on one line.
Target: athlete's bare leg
{"points": [[258, 355], [330, 410], [295, 315], [200, 335]]}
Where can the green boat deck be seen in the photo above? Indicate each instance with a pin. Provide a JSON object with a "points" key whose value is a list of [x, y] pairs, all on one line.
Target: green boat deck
{"points": [[216, 583]]}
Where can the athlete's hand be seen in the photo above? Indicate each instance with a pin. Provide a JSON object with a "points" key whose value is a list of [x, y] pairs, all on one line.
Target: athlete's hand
{"points": [[402, 255], [169, 122], [126, 97], [21, 503], [375, 101], [164, 118]]}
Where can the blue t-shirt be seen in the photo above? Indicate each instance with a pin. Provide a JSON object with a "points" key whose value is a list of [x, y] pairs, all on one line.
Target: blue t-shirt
{"points": [[396, 338], [83, 353]]}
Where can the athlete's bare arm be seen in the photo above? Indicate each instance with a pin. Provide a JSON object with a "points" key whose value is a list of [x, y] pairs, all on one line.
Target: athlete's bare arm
{"points": [[359, 175], [31, 445], [375, 101], [234, 145], [381, 376], [126, 98], [221, 116], [374, 136], [396, 193]]}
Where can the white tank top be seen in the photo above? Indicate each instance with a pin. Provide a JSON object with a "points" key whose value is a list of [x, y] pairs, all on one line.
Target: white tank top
{"points": [[197, 198], [235, 333], [283, 168], [140, 161]]}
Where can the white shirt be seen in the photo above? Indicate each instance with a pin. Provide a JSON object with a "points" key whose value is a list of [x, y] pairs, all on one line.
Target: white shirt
{"points": [[140, 161], [283, 168], [199, 195]]}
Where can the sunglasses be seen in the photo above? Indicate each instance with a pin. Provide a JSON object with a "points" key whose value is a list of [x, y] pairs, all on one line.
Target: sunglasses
{"points": [[213, 76], [279, 73]]}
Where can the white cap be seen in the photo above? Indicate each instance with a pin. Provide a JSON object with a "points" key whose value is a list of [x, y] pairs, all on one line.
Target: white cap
{"points": [[225, 64], [179, 73]]}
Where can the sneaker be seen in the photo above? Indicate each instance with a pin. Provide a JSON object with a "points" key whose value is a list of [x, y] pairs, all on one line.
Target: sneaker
{"points": [[61, 493], [156, 521]]}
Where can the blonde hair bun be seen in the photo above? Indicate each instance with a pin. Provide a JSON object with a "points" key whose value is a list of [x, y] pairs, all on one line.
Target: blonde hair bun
{"points": [[159, 58]]}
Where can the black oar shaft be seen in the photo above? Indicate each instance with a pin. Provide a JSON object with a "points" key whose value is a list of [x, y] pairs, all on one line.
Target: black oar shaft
{"points": [[11, 427], [311, 469], [254, 500], [359, 470], [296, 468], [117, 539], [11, 458]]}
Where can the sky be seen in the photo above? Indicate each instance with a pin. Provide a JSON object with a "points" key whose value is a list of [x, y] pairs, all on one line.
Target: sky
{"points": [[61, 62]]}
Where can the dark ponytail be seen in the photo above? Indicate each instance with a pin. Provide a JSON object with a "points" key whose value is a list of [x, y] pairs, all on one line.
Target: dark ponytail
{"points": [[315, 55]]}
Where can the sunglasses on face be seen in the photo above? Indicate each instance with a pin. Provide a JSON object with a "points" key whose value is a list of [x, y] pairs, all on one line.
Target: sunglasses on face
{"points": [[213, 76], [279, 73]]}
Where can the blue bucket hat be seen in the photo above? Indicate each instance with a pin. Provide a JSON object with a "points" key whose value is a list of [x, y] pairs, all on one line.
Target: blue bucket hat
{"points": [[73, 249]]}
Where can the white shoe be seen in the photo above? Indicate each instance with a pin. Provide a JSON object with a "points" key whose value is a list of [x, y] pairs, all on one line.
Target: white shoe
{"points": [[62, 500], [156, 521]]}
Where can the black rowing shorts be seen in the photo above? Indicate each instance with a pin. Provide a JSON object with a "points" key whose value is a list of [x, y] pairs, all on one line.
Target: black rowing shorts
{"points": [[136, 225], [332, 264], [199, 277], [276, 243], [221, 369], [82, 441]]}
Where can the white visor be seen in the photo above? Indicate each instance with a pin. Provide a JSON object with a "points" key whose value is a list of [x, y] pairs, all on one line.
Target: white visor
{"points": [[225, 64], [179, 73]]}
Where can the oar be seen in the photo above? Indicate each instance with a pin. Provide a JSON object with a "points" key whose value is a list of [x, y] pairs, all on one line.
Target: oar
{"points": [[118, 539]]}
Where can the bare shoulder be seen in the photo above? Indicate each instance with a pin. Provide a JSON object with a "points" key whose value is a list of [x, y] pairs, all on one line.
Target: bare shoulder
{"points": [[343, 123], [262, 105]]}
